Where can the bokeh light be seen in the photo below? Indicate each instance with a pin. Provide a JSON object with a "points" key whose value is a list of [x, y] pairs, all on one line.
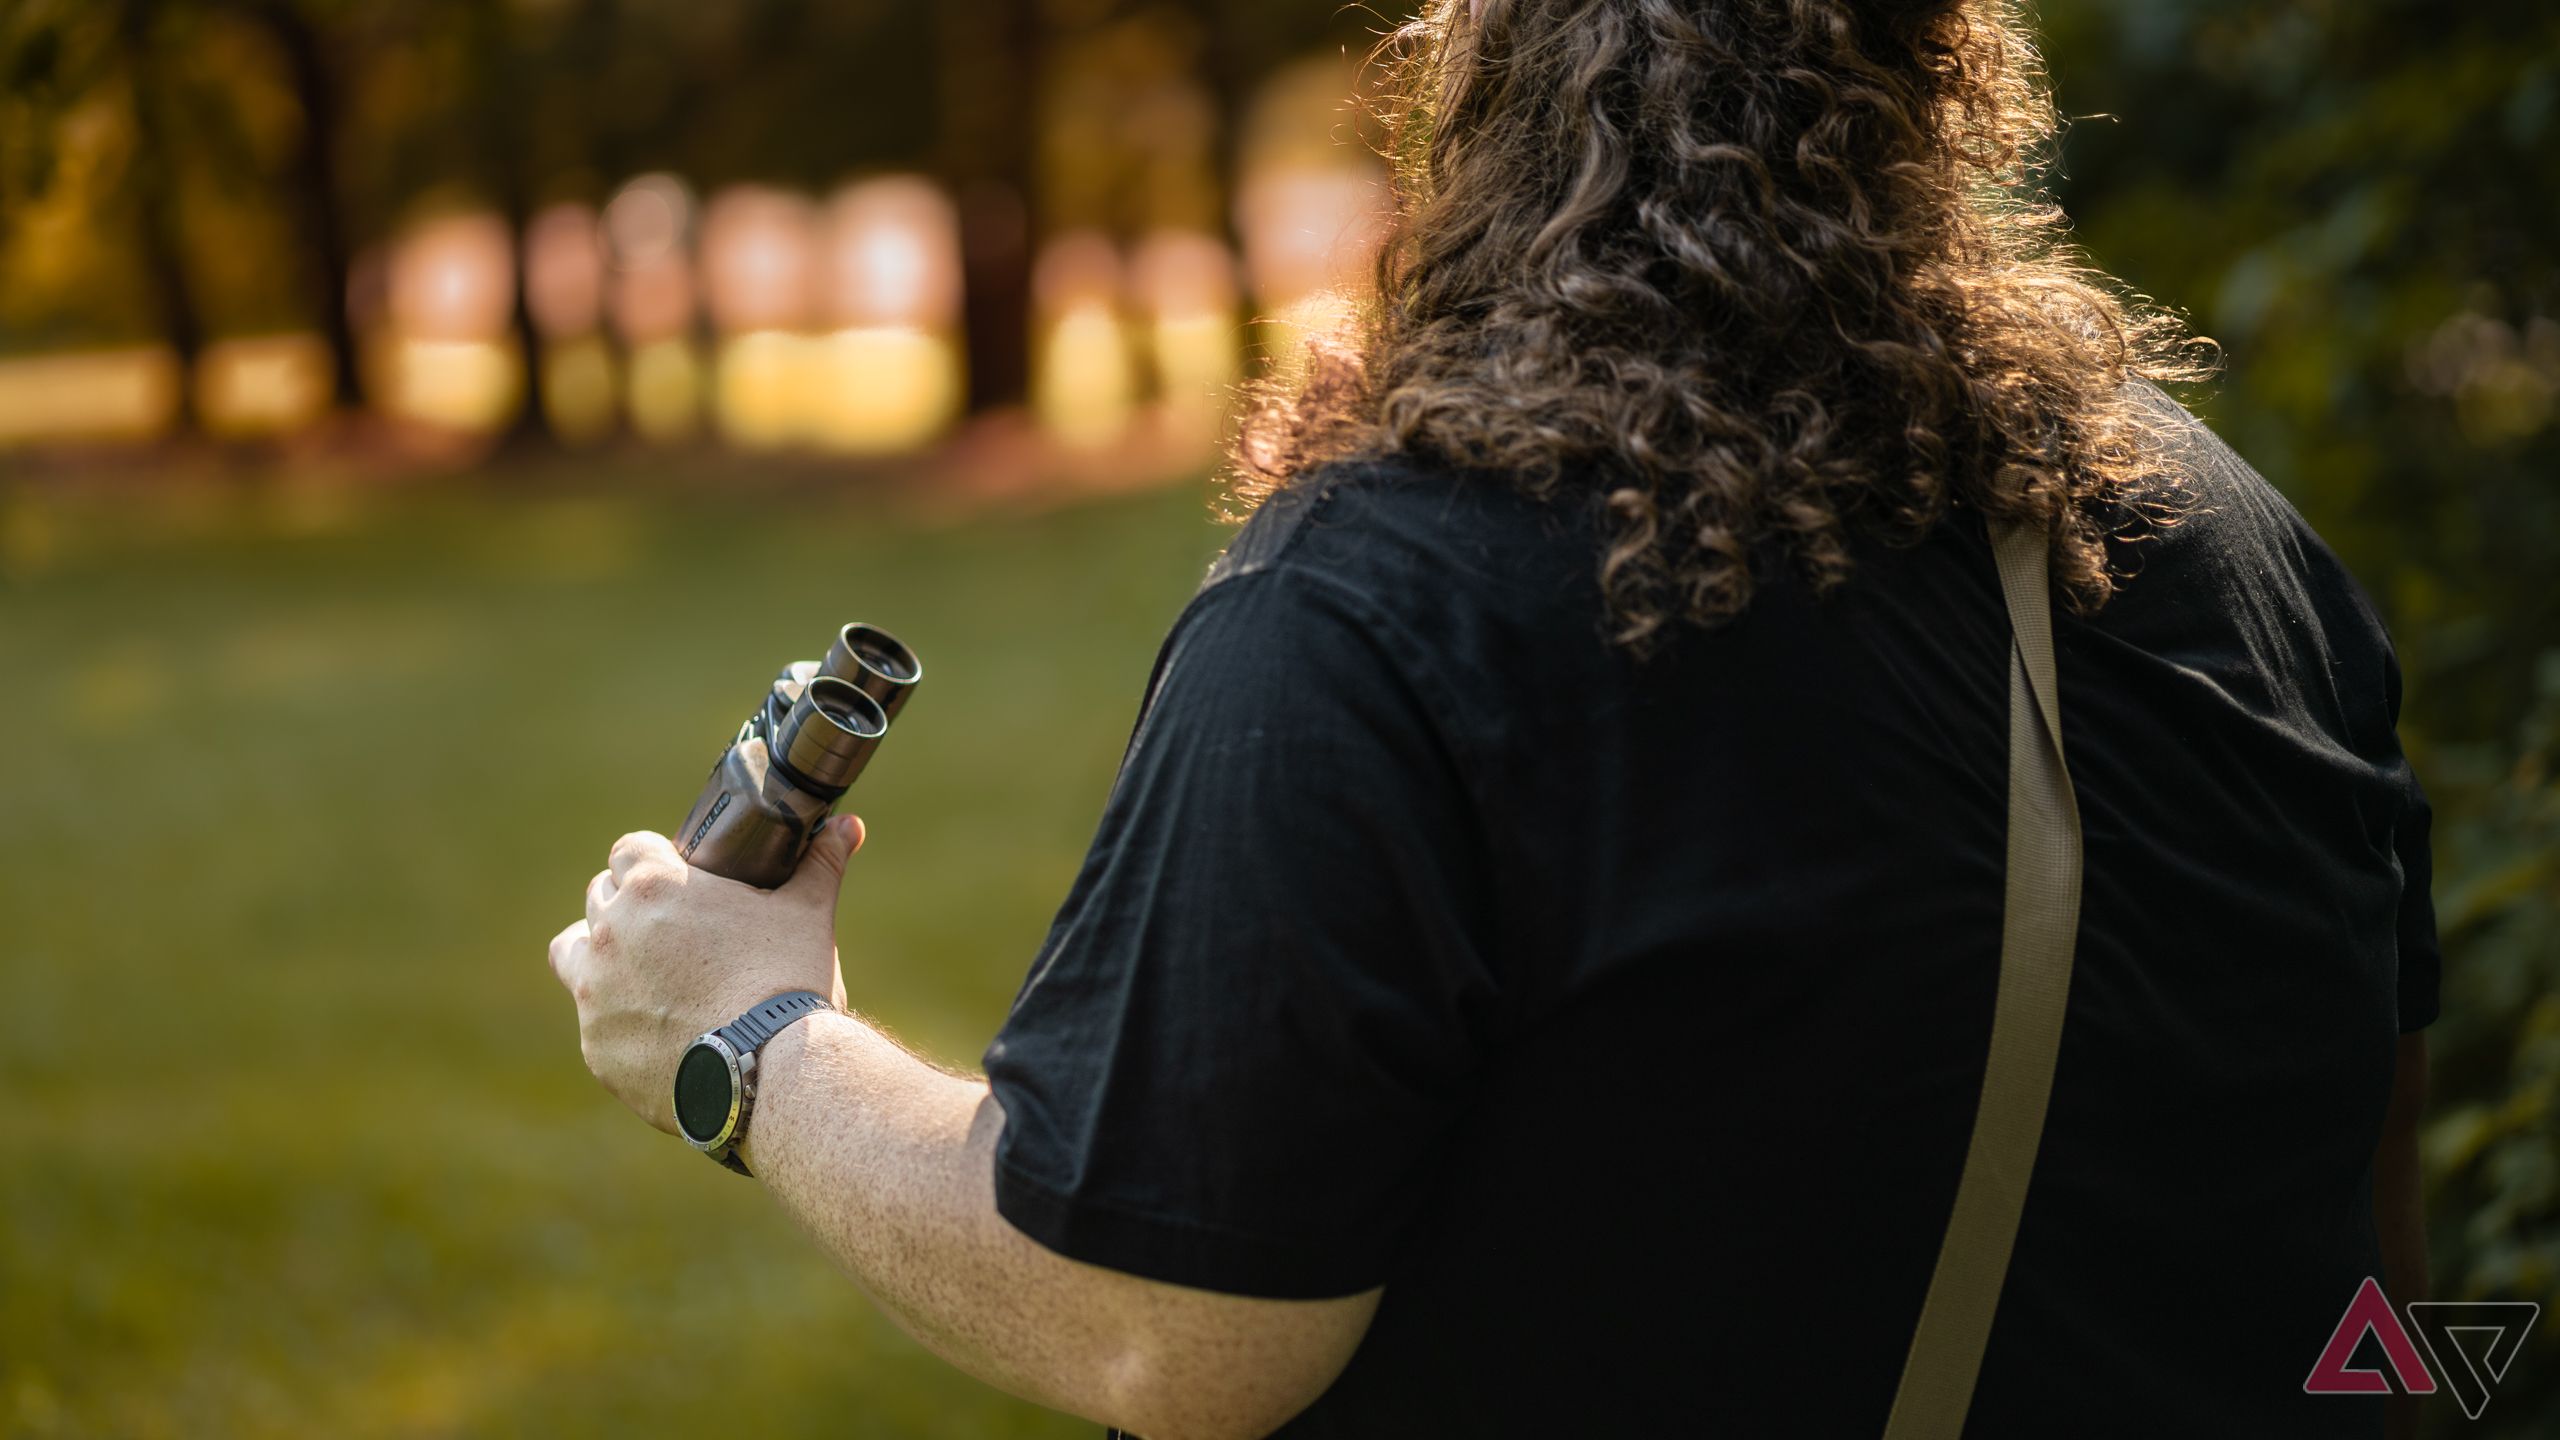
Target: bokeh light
{"points": [[649, 243], [664, 393], [579, 399], [263, 385], [100, 395], [564, 271], [650, 296], [892, 256], [1084, 391], [453, 278], [881, 389], [1183, 283], [886, 377], [759, 259], [758, 262]]}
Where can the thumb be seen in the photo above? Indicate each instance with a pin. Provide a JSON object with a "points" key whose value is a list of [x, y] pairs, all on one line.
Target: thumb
{"points": [[821, 871]]}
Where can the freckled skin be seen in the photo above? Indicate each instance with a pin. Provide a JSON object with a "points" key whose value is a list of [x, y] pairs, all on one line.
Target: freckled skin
{"points": [[888, 1162]]}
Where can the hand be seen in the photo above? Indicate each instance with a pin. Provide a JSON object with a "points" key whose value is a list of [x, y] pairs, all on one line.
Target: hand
{"points": [[667, 952]]}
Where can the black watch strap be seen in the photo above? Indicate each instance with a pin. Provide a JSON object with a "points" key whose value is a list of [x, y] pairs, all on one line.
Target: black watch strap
{"points": [[749, 1032]]}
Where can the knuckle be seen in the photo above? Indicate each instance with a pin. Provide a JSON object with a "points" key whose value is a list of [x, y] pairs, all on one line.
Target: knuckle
{"points": [[649, 883]]}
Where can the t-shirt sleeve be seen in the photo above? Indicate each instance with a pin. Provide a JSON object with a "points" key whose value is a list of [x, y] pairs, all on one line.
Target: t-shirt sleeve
{"points": [[1246, 1038]]}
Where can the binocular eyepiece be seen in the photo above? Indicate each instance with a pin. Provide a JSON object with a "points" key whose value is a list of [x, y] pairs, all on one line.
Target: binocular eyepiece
{"points": [[829, 734], [873, 661], [797, 755]]}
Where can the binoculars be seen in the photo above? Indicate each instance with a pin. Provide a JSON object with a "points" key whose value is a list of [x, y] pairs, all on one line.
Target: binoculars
{"points": [[795, 757]]}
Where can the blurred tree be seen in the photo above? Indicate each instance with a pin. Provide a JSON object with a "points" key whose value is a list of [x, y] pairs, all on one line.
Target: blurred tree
{"points": [[161, 243], [2359, 200], [992, 53], [188, 146], [64, 67], [503, 124], [312, 183]]}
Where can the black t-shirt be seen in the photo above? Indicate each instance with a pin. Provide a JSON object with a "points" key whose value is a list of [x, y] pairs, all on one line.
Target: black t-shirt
{"points": [[1626, 1020]]}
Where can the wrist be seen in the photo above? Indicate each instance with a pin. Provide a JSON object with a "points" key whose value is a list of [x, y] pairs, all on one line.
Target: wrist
{"points": [[722, 1075], [777, 1065]]}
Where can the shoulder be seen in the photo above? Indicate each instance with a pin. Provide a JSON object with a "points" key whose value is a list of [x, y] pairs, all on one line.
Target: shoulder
{"points": [[2226, 509], [1411, 537], [1427, 582], [2228, 550]]}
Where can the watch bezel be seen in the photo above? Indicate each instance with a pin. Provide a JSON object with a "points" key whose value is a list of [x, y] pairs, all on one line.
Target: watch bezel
{"points": [[729, 1125]]}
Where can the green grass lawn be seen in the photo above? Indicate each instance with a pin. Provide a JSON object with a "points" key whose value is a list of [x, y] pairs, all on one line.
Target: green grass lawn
{"points": [[298, 785]]}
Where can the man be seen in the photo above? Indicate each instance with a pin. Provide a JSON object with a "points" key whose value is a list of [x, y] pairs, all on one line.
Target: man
{"points": [[1535, 970]]}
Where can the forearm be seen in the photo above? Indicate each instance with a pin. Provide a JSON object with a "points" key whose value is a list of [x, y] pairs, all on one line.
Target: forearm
{"points": [[889, 1164], [2399, 1210]]}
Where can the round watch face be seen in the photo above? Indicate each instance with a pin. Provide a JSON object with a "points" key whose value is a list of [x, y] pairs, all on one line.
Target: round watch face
{"points": [[706, 1094]]}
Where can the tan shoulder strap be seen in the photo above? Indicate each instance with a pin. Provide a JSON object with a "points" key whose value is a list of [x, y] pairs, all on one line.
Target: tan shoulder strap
{"points": [[2040, 922]]}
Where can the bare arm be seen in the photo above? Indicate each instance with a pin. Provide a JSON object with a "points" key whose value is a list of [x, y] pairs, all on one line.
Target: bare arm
{"points": [[889, 1163], [2399, 1212]]}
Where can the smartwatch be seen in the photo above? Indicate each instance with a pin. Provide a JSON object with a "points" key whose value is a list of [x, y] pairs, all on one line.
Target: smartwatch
{"points": [[716, 1080]]}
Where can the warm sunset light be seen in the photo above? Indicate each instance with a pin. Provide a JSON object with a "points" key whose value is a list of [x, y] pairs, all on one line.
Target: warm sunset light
{"points": [[453, 278], [1510, 780], [1083, 389], [1183, 284], [564, 271], [664, 391], [886, 375], [578, 390], [892, 256], [880, 389], [263, 385], [759, 259], [565, 275], [650, 297], [457, 384], [446, 361], [758, 384], [93, 395]]}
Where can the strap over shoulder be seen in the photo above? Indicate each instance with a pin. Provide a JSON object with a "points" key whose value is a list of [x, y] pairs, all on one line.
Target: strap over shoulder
{"points": [[2039, 930]]}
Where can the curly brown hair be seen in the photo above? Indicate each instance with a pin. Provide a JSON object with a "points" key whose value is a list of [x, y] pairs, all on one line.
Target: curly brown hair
{"points": [[1749, 274]]}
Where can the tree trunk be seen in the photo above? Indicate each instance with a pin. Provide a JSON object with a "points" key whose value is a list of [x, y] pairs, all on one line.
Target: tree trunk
{"points": [[991, 74], [503, 146], [160, 233], [1231, 77], [314, 181]]}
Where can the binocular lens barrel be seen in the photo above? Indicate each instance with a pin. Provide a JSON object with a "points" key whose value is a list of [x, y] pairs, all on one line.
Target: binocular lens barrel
{"points": [[830, 733], [875, 662], [796, 756]]}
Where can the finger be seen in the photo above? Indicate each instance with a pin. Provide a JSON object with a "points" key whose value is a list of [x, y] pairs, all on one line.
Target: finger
{"points": [[568, 955], [637, 848], [821, 871], [599, 894]]}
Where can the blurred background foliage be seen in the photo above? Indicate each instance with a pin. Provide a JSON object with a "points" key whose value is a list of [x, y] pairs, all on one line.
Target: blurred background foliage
{"points": [[353, 593]]}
